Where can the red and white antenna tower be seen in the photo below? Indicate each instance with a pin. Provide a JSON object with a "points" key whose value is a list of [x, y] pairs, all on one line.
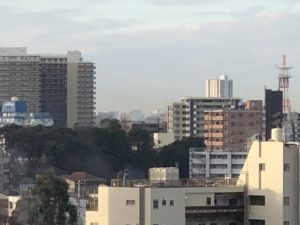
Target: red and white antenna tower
{"points": [[284, 83]]}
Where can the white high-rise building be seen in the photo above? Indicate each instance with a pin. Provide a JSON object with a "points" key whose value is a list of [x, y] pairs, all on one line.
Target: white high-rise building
{"points": [[219, 88]]}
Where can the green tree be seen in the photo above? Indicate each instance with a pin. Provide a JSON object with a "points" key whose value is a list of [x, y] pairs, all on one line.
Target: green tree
{"points": [[141, 142], [48, 204], [178, 153]]}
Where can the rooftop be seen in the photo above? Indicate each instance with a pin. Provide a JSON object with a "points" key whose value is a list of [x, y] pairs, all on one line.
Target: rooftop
{"points": [[205, 182], [76, 176]]}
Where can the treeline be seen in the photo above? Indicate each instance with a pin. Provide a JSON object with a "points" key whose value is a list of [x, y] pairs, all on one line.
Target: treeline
{"points": [[99, 151]]}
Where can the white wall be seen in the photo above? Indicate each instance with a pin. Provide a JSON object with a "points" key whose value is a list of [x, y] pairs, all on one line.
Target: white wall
{"points": [[274, 183]]}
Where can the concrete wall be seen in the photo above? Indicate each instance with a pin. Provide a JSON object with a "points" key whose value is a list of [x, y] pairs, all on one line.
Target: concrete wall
{"points": [[168, 214], [162, 139], [272, 182], [72, 94]]}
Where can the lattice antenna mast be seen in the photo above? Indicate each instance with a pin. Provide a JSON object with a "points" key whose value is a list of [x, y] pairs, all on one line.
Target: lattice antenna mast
{"points": [[284, 83]]}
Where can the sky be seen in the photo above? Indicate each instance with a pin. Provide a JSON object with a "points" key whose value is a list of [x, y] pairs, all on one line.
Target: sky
{"points": [[150, 53]]}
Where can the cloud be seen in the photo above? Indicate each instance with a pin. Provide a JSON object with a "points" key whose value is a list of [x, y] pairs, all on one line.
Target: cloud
{"points": [[186, 2], [148, 56]]}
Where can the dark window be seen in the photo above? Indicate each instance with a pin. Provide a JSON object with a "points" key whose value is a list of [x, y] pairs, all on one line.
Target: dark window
{"points": [[172, 203], [257, 200], [287, 167], [164, 202], [155, 204], [257, 222], [232, 202], [286, 201], [262, 167], [208, 201], [130, 202]]}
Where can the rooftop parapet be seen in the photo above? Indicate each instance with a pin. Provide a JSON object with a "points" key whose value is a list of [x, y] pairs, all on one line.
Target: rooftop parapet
{"points": [[213, 182]]}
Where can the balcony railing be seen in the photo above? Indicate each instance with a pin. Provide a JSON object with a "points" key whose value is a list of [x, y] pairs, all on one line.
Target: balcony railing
{"points": [[214, 182], [201, 212]]}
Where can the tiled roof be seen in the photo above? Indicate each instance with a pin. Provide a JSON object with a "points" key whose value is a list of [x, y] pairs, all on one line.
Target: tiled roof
{"points": [[84, 176]]}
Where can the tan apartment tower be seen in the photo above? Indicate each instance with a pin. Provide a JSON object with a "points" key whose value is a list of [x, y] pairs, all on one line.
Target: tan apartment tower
{"points": [[80, 91], [232, 129]]}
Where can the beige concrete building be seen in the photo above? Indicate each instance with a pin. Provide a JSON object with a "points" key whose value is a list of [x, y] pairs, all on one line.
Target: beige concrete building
{"points": [[80, 91], [177, 204], [227, 129], [186, 118], [271, 178]]}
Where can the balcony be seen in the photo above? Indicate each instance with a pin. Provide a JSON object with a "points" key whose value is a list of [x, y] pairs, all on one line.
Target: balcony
{"points": [[216, 126], [214, 135], [205, 212], [213, 118]]}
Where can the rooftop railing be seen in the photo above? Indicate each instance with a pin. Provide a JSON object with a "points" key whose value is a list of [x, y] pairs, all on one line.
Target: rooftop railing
{"points": [[214, 182]]}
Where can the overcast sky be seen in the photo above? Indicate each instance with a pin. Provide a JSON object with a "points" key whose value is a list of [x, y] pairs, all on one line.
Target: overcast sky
{"points": [[149, 53]]}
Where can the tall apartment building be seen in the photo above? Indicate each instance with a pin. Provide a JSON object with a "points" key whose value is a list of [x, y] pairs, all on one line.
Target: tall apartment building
{"points": [[273, 111], [186, 118], [219, 88], [20, 77], [294, 120], [63, 85], [230, 129]]}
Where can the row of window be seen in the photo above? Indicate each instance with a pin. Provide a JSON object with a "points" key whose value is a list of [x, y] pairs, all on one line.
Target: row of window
{"points": [[286, 167], [262, 222], [164, 203], [259, 200]]}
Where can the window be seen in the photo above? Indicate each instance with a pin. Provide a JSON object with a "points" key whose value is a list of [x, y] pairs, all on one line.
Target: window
{"points": [[286, 201], [232, 223], [257, 222], [93, 223], [208, 201], [130, 202], [164, 202], [286, 167], [257, 200], [262, 167], [155, 204], [286, 223], [172, 203], [233, 202]]}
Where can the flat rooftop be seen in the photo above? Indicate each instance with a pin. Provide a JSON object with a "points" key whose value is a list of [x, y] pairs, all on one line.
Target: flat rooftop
{"points": [[205, 182]]}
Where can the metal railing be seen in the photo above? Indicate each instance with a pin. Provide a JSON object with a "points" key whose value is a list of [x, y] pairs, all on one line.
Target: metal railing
{"points": [[214, 182]]}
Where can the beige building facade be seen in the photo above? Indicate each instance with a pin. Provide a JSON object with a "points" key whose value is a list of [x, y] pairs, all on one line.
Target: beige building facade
{"points": [[148, 205], [271, 178]]}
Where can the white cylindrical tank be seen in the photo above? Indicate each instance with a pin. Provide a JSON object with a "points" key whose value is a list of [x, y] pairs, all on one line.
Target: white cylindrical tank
{"points": [[277, 134]]}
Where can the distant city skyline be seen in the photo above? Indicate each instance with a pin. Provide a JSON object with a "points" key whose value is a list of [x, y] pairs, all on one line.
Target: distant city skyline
{"points": [[149, 53]]}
